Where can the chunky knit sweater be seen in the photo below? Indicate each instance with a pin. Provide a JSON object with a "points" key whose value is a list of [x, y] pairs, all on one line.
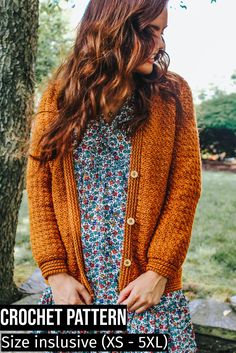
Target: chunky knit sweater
{"points": [[164, 187]]}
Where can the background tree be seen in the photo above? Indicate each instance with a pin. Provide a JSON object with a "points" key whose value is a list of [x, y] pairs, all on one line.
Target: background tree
{"points": [[202, 95], [217, 124], [18, 41], [54, 40], [33, 45], [233, 77]]}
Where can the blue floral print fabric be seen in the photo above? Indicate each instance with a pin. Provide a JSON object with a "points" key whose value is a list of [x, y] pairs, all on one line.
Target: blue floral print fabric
{"points": [[101, 166]]}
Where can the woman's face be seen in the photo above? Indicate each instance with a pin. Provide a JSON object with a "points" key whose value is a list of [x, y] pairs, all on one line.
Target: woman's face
{"points": [[158, 25]]}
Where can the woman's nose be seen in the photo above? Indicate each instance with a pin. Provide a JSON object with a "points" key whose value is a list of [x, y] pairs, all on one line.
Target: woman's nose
{"points": [[160, 43]]}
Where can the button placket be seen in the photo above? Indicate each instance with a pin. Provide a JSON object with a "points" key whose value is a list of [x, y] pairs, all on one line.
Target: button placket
{"points": [[132, 203]]}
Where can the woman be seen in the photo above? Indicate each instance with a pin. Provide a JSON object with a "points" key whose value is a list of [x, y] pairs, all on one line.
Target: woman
{"points": [[114, 172]]}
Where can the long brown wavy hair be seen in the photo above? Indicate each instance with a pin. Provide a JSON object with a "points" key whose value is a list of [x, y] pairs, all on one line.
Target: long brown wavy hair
{"points": [[112, 39]]}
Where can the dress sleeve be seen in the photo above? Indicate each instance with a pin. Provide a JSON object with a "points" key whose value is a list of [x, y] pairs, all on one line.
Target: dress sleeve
{"points": [[46, 244], [169, 244]]}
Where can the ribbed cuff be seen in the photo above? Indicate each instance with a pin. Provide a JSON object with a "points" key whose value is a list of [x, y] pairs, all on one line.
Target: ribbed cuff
{"points": [[164, 269], [52, 267]]}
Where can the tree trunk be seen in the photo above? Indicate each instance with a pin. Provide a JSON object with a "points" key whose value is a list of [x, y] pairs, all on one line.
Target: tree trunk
{"points": [[18, 46]]}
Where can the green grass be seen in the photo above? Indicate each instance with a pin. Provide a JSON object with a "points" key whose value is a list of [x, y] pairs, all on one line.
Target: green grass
{"points": [[210, 266]]}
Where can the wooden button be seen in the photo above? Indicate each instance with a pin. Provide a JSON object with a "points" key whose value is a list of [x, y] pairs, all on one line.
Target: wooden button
{"points": [[127, 262], [131, 221], [134, 174]]}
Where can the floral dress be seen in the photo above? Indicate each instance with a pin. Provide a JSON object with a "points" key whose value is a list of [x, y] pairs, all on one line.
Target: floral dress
{"points": [[101, 165]]}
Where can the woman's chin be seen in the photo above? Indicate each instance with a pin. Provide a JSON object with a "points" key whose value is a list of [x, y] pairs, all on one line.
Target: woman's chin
{"points": [[145, 68]]}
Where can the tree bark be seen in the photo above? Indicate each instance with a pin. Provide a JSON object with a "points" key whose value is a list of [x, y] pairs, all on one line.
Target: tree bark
{"points": [[18, 49]]}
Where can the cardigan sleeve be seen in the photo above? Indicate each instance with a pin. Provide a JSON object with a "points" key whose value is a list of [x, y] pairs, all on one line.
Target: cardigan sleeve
{"points": [[169, 244], [46, 244]]}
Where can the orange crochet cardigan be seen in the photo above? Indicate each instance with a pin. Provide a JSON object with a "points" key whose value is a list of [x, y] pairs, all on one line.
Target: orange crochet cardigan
{"points": [[163, 191]]}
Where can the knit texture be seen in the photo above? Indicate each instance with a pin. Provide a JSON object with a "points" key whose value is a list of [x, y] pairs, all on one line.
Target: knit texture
{"points": [[162, 199]]}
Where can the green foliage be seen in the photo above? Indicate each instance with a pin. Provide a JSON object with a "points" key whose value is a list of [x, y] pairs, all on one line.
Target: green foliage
{"points": [[217, 123], [56, 3], [53, 43], [233, 77], [218, 112]]}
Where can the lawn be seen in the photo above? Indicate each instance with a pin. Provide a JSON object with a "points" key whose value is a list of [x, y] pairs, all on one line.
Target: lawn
{"points": [[210, 267]]}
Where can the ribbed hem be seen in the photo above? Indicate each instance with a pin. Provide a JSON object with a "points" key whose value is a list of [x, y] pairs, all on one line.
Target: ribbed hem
{"points": [[52, 267], [173, 275], [173, 284], [164, 269]]}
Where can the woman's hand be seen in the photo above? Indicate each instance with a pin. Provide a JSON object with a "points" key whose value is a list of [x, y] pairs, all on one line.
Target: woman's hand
{"points": [[144, 292], [67, 290]]}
